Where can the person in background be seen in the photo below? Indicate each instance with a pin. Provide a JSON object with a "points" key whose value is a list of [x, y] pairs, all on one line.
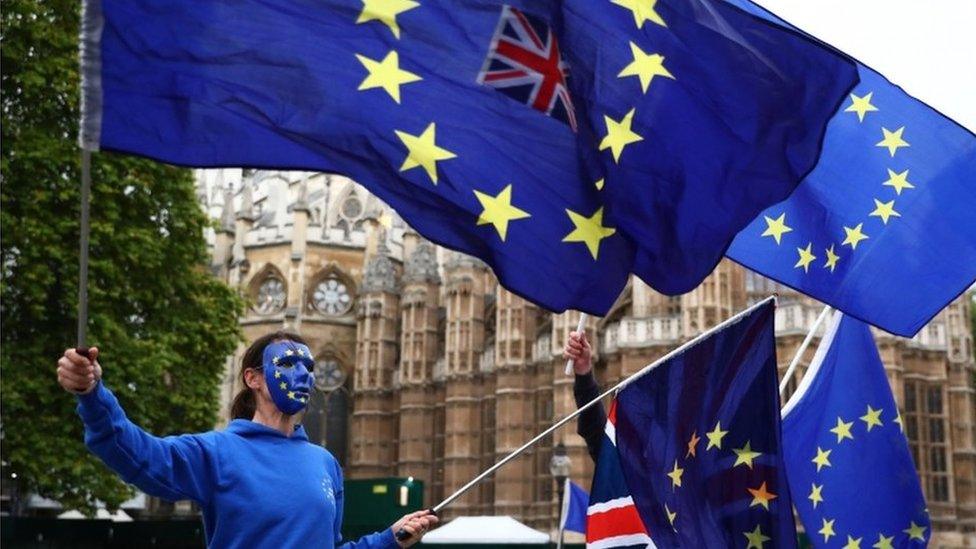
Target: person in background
{"points": [[260, 483], [592, 421]]}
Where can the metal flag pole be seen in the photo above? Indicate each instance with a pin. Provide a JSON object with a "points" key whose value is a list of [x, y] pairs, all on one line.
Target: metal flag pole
{"points": [[82, 347], [691, 343], [803, 347], [579, 328]]}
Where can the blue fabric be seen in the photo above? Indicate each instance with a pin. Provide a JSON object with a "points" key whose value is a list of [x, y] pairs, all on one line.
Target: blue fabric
{"points": [[575, 517], [870, 489], [283, 84], [728, 381], [255, 486], [926, 256]]}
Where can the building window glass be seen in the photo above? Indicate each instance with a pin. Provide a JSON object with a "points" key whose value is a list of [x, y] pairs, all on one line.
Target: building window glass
{"points": [[925, 426]]}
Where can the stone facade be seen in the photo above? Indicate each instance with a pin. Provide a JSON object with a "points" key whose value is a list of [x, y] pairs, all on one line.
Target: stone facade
{"points": [[428, 368]]}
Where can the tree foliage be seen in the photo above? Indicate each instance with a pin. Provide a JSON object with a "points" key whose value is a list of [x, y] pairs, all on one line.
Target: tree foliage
{"points": [[163, 323]]}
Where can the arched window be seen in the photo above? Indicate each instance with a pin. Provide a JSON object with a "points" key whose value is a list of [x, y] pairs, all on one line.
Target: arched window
{"points": [[268, 291]]}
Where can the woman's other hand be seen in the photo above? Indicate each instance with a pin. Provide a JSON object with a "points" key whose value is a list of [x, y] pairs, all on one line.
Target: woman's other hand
{"points": [[416, 524], [78, 374], [578, 350]]}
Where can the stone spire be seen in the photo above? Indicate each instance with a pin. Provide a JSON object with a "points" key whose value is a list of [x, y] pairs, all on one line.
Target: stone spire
{"points": [[380, 275], [421, 266], [227, 214], [247, 203]]}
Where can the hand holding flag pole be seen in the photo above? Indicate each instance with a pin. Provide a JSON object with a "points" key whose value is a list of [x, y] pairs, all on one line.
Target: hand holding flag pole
{"points": [[579, 328]]}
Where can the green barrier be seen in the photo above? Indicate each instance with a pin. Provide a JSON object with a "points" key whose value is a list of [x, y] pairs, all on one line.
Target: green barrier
{"points": [[374, 504]]}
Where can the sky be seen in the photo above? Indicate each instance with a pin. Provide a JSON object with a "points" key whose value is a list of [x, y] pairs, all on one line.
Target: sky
{"points": [[926, 47]]}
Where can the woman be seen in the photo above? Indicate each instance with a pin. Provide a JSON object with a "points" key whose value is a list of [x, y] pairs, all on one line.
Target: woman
{"points": [[259, 482]]}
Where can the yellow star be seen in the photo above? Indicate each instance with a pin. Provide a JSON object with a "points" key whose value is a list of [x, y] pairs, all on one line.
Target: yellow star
{"points": [[915, 531], [898, 180], [832, 259], [619, 135], [498, 210], [756, 538], [900, 424], [823, 459], [815, 494], [854, 235], [745, 455], [671, 516], [291, 395], [645, 67], [872, 418], [861, 105], [283, 385], [884, 210], [643, 10], [277, 374], [422, 150], [715, 437], [892, 140], [276, 360], [692, 443], [884, 542], [386, 74], [806, 258], [289, 352], [776, 227], [589, 230], [827, 529], [385, 11], [675, 475], [599, 184], [853, 543], [301, 352], [843, 430], [761, 497]]}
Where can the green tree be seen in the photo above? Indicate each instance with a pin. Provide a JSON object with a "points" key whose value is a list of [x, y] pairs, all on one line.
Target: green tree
{"points": [[163, 323]]}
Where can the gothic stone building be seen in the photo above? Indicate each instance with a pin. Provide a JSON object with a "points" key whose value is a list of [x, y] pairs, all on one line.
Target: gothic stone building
{"points": [[428, 368]]}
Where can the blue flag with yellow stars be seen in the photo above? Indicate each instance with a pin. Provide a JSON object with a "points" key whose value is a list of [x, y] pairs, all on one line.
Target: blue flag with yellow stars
{"points": [[565, 142], [883, 228], [699, 442], [846, 454]]}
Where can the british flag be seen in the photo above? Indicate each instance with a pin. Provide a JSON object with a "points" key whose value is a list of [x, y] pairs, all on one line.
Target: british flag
{"points": [[525, 64], [612, 520]]}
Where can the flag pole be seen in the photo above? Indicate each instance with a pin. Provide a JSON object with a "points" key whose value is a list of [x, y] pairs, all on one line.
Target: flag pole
{"points": [[83, 252], [690, 343], [579, 328], [803, 347], [563, 511]]}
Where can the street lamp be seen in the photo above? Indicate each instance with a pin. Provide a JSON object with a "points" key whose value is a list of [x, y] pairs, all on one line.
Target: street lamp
{"points": [[559, 469]]}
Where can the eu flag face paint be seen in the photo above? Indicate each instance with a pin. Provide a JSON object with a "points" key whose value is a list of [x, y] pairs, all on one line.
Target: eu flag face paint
{"points": [[287, 371]]}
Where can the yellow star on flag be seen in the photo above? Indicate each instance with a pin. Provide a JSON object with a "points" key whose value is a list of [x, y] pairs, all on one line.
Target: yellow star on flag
{"points": [[915, 532], [872, 418], [893, 140], [900, 424], [756, 538], [671, 516], [843, 430], [692, 443], [589, 230], [761, 497], [853, 543], [898, 180], [599, 184], [854, 235], [822, 459], [832, 259], [385, 11], [861, 105], [815, 494], [776, 227], [884, 210], [422, 150], [827, 529], [884, 542], [619, 135], [745, 455], [715, 437], [806, 258], [386, 74], [645, 67], [498, 210], [643, 10], [675, 475]]}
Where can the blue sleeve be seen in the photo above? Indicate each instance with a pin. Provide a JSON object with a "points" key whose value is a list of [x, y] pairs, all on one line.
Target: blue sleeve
{"points": [[171, 468], [376, 540]]}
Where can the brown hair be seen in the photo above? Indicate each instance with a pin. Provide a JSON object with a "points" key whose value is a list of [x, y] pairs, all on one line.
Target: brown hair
{"points": [[244, 404]]}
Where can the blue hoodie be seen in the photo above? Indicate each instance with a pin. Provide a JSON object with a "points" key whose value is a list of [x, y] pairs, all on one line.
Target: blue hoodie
{"points": [[256, 487]]}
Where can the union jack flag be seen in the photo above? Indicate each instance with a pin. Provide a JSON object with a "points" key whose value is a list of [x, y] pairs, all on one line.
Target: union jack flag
{"points": [[527, 67], [612, 520]]}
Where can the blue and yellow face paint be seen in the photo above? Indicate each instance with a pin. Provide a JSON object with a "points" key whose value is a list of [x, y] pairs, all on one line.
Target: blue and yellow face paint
{"points": [[288, 369]]}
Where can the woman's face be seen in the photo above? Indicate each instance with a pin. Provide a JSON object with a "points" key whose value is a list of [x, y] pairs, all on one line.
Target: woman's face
{"points": [[288, 377]]}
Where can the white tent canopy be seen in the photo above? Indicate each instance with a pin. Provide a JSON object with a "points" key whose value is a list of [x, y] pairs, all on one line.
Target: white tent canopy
{"points": [[486, 530], [101, 514]]}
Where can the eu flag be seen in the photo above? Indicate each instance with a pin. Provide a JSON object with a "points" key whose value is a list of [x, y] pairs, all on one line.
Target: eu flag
{"points": [[566, 143], [883, 228], [846, 452], [699, 442]]}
